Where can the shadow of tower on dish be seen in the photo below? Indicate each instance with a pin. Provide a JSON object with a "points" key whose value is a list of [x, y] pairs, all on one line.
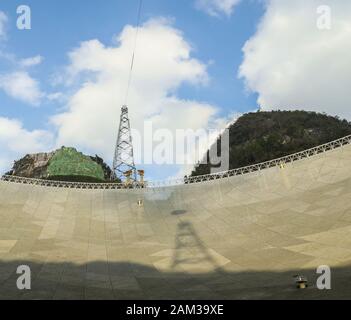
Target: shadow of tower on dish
{"points": [[190, 252]]}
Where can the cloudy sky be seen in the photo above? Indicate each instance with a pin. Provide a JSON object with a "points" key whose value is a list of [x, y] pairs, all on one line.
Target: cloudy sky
{"points": [[199, 64]]}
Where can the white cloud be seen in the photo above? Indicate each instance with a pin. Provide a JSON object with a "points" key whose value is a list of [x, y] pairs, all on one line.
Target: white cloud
{"points": [[217, 7], [3, 21], [17, 82], [16, 141], [163, 63], [55, 96], [20, 85], [292, 64], [32, 61]]}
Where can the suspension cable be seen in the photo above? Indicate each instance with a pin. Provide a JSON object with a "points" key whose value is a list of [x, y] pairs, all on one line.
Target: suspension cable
{"points": [[134, 51]]}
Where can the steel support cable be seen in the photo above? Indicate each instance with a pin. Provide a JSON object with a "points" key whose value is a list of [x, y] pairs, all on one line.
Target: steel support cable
{"points": [[134, 51]]}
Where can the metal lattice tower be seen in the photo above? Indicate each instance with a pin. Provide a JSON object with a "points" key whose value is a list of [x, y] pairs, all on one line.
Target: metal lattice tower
{"points": [[123, 160]]}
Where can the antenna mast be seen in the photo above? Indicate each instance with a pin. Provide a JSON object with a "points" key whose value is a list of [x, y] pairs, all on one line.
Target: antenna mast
{"points": [[123, 161]]}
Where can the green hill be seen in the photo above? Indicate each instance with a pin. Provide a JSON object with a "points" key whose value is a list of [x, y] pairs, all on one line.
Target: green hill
{"points": [[69, 165], [263, 136]]}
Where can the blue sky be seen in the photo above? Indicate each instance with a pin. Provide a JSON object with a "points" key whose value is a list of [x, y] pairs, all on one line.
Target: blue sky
{"points": [[209, 41], [59, 26]]}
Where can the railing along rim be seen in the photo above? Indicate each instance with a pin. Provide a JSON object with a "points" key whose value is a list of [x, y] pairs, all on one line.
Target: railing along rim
{"points": [[308, 153]]}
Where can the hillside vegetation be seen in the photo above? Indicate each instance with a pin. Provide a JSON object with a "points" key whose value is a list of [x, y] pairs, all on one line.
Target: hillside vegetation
{"points": [[65, 164], [69, 165], [262, 136]]}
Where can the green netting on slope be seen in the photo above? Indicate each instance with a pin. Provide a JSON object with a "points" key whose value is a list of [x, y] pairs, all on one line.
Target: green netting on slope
{"points": [[68, 162]]}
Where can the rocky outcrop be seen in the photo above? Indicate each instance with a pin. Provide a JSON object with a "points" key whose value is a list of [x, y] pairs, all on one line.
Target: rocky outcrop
{"points": [[32, 165]]}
